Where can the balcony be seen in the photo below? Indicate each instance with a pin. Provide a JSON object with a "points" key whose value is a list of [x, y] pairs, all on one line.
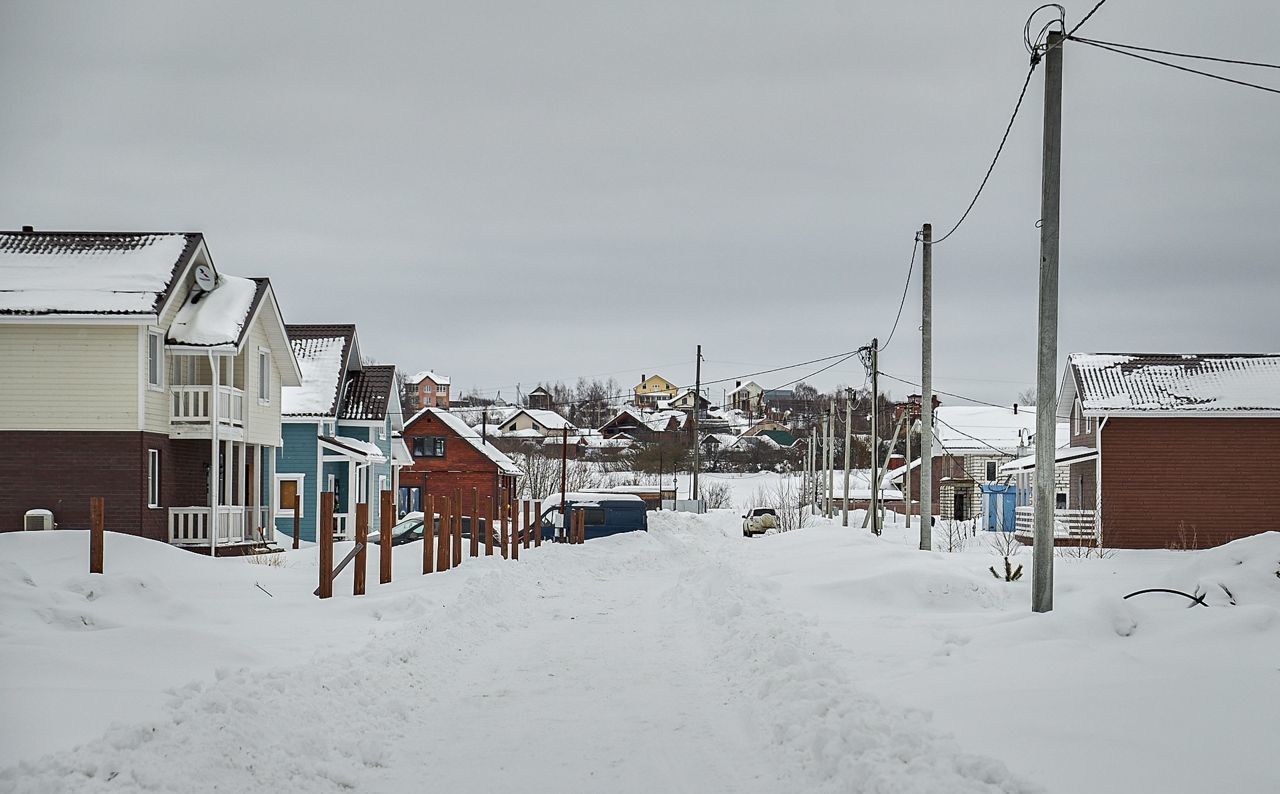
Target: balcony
{"points": [[191, 411]]}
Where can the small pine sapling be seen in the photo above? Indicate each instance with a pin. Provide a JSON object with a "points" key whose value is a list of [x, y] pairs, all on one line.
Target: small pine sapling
{"points": [[1011, 574]]}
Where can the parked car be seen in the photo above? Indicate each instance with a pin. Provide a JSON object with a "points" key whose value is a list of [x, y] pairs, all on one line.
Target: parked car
{"points": [[410, 528], [758, 521], [606, 514]]}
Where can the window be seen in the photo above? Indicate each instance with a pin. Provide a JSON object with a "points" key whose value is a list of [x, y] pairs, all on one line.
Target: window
{"points": [[1060, 501], [155, 360], [594, 516], [264, 376], [428, 447], [441, 389], [991, 471], [153, 478], [288, 491]]}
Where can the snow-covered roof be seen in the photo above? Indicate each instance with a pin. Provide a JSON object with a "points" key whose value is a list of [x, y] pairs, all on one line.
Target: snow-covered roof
{"points": [[548, 419], [748, 386], [218, 317], [1063, 456], [426, 374], [368, 392], [528, 432], [469, 434], [979, 430], [321, 351], [50, 273], [364, 451], [400, 454], [1147, 384]]}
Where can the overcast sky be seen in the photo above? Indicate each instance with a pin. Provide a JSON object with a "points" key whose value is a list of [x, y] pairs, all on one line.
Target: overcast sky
{"points": [[515, 192]]}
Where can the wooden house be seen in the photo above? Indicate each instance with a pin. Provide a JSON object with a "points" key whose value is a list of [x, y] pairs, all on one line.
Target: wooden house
{"points": [[450, 456], [138, 372]]}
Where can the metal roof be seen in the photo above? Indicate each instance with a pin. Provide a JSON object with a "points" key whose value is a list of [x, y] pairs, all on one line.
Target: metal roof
{"points": [[1205, 384]]}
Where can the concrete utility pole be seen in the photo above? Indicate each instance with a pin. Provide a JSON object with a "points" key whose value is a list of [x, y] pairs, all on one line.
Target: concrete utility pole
{"points": [[906, 478], [1047, 358], [697, 443], [831, 458], [848, 438], [874, 482], [926, 391], [822, 476]]}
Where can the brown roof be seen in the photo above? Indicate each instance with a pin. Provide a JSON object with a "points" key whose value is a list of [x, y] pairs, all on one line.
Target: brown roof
{"points": [[368, 391], [306, 341]]}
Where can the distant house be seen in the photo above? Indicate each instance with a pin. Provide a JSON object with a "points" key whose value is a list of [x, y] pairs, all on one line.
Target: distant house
{"points": [[539, 399], [136, 371], [1172, 450], [427, 390], [685, 401], [542, 422], [339, 432], [651, 390], [449, 456], [747, 397], [627, 423]]}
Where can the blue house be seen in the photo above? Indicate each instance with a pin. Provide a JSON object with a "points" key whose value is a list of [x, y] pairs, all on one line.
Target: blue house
{"points": [[341, 431]]}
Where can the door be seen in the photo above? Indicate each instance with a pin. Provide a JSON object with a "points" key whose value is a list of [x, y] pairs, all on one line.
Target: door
{"points": [[961, 507]]}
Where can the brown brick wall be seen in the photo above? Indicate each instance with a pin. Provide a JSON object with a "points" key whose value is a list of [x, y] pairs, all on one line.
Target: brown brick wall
{"points": [[462, 467], [1217, 477]]}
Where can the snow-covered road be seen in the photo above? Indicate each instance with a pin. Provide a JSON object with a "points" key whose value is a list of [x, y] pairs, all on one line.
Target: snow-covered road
{"points": [[648, 662]]}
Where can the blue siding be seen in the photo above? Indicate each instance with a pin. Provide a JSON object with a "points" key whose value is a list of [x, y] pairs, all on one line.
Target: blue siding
{"points": [[299, 456]]}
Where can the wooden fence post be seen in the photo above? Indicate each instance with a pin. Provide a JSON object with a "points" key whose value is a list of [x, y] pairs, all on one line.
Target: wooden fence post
{"points": [[429, 536], [326, 544], [524, 536], [362, 548], [457, 529], [297, 518], [97, 526], [488, 526], [515, 532], [388, 515], [537, 519], [444, 538], [504, 508], [475, 522]]}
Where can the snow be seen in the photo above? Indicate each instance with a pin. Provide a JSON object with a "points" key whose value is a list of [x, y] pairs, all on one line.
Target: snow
{"points": [[982, 430], [371, 452], [217, 317], [62, 279], [548, 419], [683, 659], [419, 377], [321, 364]]}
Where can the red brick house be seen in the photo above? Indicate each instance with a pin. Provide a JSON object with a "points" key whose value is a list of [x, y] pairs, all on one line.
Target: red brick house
{"points": [[1174, 450], [427, 389], [449, 456]]}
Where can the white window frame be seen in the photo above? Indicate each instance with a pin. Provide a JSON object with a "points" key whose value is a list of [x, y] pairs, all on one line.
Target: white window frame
{"points": [[153, 478], [155, 360], [287, 512], [264, 376], [441, 388]]}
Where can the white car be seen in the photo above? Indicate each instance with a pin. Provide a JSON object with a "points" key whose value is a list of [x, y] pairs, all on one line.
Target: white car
{"points": [[759, 520]]}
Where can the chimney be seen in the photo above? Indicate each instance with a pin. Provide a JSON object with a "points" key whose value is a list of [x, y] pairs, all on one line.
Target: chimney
{"points": [[642, 378], [28, 229], [1015, 409], [737, 384]]}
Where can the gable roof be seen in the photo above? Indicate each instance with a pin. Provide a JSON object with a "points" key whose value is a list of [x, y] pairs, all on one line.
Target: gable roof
{"points": [[1170, 384], [467, 433], [548, 419], [426, 374], [116, 273], [220, 317], [368, 392], [983, 430], [322, 352], [747, 388]]}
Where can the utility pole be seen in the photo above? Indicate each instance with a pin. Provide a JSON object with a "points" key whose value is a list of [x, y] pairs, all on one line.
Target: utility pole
{"points": [[875, 435], [822, 482], [831, 457], [848, 438], [926, 391], [1047, 356], [697, 444], [906, 478]]}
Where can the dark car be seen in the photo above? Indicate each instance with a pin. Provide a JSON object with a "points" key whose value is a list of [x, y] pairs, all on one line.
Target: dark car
{"points": [[410, 528], [604, 513]]}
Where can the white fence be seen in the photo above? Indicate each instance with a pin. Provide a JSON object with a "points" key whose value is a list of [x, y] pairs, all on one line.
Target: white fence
{"points": [[1066, 523], [190, 525]]}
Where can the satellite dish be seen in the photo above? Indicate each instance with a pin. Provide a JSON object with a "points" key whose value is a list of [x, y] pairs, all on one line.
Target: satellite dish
{"points": [[206, 279]]}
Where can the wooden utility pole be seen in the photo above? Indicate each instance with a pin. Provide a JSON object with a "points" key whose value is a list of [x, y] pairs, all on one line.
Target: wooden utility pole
{"points": [[387, 513], [1047, 353], [848, 445], [362, 548], [875, 435], [926, 391], [697, 399], [97, 532]]}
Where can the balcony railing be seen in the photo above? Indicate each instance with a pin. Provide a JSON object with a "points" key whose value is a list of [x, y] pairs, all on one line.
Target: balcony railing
{"points": [[1066, 523], [190, 525], [192, 404]]}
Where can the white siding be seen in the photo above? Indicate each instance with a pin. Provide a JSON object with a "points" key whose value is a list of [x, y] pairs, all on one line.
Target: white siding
{"points": [[261, 422], [69, 377]]}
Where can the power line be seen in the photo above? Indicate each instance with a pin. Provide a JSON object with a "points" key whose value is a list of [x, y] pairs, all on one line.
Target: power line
{"points": [[1017, 106], [910, 267], [1080, 24], [1211, 75], [957, 396], [939, 420], [823, 369], [1178, 54]]}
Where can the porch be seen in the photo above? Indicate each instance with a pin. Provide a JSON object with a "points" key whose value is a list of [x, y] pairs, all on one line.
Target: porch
{"points": [[189, 526], [203, 394], [1069, 526], [239, 510]]}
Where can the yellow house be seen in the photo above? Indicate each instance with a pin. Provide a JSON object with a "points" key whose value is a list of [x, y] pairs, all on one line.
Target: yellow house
{"points": [[653, 388]]}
